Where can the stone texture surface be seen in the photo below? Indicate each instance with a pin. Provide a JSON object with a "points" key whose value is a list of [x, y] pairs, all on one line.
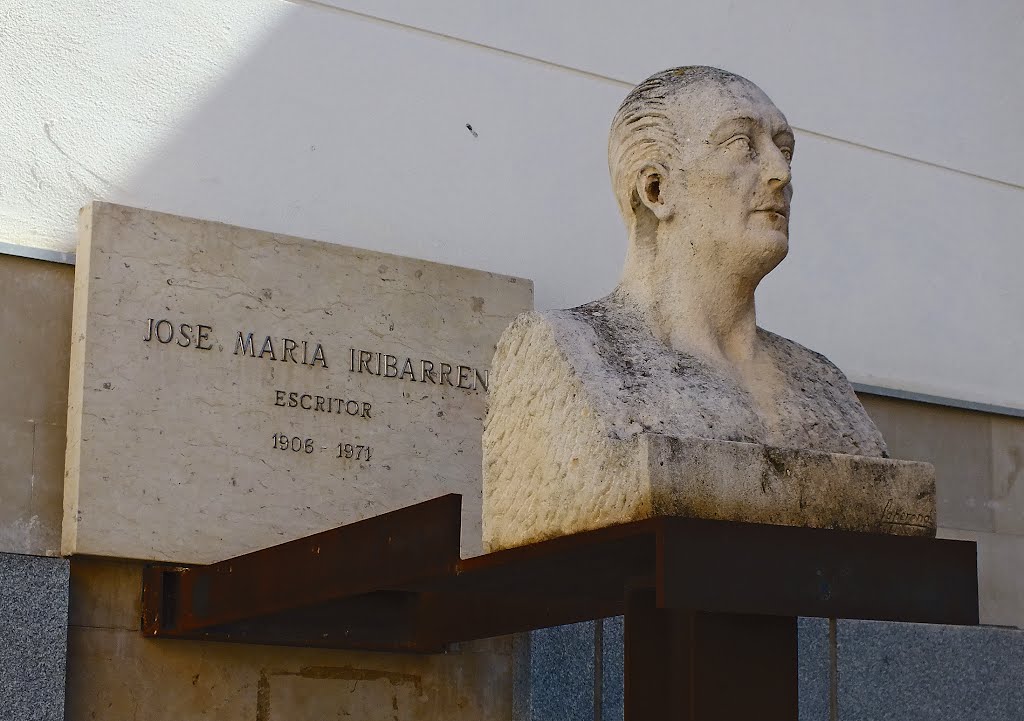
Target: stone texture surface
{"points": [[814, 647], [700, 165], [610, 482], [195, 446], [638, 384], [557, 667], [911, 672], [33, 637], [613, 659], [758, 484], [566, 663], [35, 319], [114, 673], [882, 672]]}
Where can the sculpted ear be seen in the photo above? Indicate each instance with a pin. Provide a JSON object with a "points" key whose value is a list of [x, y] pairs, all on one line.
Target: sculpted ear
{"points": [[650, 187]]}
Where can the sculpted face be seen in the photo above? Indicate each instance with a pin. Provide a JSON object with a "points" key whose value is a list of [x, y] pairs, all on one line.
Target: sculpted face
{"points": [[726, 192]]}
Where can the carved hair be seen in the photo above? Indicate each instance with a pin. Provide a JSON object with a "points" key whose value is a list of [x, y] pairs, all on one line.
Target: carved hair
{"points": [[642, 131]]}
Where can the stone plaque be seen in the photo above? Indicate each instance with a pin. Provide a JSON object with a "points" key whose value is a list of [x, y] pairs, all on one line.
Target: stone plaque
{"points": [[234, 389]]}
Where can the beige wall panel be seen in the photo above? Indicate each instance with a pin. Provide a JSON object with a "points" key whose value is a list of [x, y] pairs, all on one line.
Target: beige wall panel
{"points": [[105, 593], [31, 485], [16, 516], [114, 673], [1000, 576], [35, 319], [1008, 474], [35, 324], [957, 442], [47, 499]]}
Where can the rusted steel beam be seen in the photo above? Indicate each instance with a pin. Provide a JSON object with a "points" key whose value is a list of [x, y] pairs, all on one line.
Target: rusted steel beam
{"points": [[688, 666], [790, 571], [457, 616], [387, 551], [395, 582], [380, 621]]}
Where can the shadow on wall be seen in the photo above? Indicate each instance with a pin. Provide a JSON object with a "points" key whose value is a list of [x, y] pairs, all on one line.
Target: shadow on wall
{"points": [[354, 131], [350, 130]]}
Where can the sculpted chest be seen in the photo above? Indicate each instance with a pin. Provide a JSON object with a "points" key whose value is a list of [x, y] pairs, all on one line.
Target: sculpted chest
{"points": [[798, 400]]}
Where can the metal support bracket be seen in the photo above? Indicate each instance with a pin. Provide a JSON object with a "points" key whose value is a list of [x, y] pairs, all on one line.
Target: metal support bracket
{"points": [[710, 606]]}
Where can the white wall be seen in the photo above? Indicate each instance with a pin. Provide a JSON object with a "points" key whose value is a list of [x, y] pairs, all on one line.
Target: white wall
{"points": [[316, 120]]}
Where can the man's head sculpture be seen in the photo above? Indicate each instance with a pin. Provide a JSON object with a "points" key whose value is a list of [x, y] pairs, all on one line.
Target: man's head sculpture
{"points": [[699, 160], [665, 397]]}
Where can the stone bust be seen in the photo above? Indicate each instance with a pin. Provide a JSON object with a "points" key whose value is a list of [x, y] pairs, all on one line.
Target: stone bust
{"points": [[700, 164]]}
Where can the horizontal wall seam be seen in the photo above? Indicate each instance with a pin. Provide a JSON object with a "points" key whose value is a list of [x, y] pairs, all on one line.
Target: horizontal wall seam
{"points": [[28, 251], [626, 85], [938, 400]]}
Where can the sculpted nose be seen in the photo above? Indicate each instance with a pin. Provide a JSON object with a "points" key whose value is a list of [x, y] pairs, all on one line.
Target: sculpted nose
{"points": [[776, 168]]}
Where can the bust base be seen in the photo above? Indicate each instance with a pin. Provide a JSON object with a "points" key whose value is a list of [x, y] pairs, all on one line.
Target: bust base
{"points": [[722, 480]]}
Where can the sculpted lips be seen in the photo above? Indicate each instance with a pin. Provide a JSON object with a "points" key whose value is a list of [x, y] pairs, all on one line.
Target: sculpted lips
{"points": [[778, 208]]}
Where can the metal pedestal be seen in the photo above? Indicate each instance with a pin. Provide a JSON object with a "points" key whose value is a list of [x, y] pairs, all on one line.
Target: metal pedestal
{"points": [[710, 606]]}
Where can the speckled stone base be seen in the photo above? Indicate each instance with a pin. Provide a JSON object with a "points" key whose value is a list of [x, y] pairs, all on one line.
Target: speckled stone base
{"points": [[880, 671], [33, 636]]}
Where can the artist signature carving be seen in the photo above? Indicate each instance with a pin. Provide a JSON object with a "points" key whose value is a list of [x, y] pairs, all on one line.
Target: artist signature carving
{"points": [[893, 515]]}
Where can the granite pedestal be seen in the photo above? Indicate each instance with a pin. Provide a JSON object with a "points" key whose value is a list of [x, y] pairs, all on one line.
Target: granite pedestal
{"points": [[882, 672], [917, 672], [33, 637]]}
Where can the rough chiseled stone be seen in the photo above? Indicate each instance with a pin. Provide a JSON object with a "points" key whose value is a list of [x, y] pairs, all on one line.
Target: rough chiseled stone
{"points": [[657, 475], [665, 396], [233, 389]]}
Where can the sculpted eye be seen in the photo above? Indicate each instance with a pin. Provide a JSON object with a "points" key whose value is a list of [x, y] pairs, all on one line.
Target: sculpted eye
{"points": [[741, 140], [787, 153]]}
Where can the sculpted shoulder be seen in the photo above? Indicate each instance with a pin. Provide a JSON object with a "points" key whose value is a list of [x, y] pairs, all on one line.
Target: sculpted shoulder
{"points": [[822, 406], [542, 345], [803, 364], [561, 329]]}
